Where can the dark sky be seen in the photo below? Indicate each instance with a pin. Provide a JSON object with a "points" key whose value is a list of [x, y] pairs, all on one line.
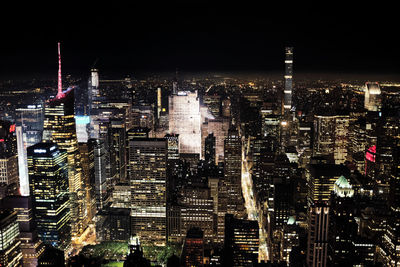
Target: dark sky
{"points": [[199, 36]]}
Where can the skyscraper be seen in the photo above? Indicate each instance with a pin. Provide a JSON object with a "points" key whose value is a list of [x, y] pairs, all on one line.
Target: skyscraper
{"points": [[317, 247], [9, 170], [10, 250], [59, 128], [48, 182], [148, 162], [100, 179], [209, 148], [185, 120], [31, 245], [193, 248], [372, 97], [233, 172], [29, 129], [241, 242], [288, 79]]}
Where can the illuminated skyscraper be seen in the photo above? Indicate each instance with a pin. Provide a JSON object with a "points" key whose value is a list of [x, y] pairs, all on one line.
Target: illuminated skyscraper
{"points": [[148, 162], [9, 170], [173, 146], [48, 182], [31, 246], [197, 211], [100, 180], [372, 98], [324, 135], [321, 179], [317, 248], [288, 78], [10, 250], [159, 105], [94, 92], [219, 128], [185, 120], [59, 128], [233, 172], [29, 129]]}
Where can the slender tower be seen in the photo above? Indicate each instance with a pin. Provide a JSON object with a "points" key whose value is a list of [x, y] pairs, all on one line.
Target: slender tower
{"points": [[175, 83], [288, 78], [59, 93], [159, 105]]}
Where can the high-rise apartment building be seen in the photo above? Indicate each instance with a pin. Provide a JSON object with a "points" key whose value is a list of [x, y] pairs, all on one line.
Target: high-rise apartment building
{"points": [[288, 78]]}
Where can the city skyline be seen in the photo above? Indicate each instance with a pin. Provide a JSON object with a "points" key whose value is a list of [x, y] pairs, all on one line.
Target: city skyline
{"points": [[200, 135]]}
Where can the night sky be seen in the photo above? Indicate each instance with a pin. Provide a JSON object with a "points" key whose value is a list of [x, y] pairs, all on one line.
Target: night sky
{"points": [[200, 36]]}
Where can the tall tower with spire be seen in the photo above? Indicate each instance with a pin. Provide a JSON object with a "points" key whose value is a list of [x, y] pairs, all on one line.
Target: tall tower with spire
{"points": [[59, 127]]}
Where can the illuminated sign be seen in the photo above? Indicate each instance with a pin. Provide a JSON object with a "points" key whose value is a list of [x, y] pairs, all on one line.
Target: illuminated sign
{"points": [[371, 154], [82, 119], [12, 128], [40, 151]]}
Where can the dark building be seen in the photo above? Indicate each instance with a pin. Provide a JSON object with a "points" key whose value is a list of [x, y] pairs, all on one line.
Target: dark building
{"points": [[52, 257], [193, 248], [317, 247], [241, 242], [209, 148]]}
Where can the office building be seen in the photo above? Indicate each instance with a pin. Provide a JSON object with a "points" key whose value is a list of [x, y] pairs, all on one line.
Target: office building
{"points": [[185, 120], [48, 182], [372, 97], [233, 172], [317, 245], [9, 171], [29, 129], [10, 245], [241, 242], [148, 163], [59, 128], [31, 246], [193, 248]]}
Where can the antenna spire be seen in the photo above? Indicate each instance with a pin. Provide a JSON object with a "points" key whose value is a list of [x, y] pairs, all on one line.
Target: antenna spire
{"points": [[60, 94]]}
